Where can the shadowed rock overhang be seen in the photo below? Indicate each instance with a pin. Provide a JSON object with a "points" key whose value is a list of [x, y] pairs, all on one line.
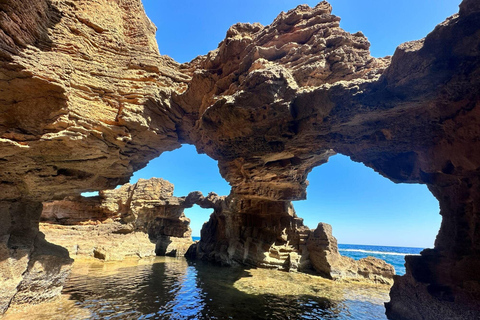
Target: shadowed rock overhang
{"points": [[86, 100]]}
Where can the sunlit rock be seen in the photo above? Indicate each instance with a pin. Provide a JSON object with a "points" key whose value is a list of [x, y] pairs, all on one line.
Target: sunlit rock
{"points": [[269, 234], [139, 220], [87, 100]]}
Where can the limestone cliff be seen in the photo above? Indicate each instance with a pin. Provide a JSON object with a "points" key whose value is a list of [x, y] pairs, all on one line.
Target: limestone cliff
{"points": [[143, 219], [83, 88], [86, 99], [413, 119], [247, 95], [85, 96]]}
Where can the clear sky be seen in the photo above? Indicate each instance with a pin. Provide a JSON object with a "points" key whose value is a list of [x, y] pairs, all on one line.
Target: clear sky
{"points": [[362, 206]]}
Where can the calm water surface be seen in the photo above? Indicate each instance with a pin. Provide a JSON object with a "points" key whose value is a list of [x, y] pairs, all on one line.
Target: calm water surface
{"points": [[172, 288]]}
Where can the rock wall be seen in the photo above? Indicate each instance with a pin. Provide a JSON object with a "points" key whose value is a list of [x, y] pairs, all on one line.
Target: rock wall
{"points": [[87, 100], [85, 96], [269, 234], [143, 219], [32, 270], [83, 88]]}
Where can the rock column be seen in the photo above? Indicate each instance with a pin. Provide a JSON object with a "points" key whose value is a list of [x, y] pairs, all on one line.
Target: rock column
{"points": [[31, 269]]}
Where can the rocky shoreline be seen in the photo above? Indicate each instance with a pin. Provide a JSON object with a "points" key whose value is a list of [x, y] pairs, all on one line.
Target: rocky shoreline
{"points": [[145, 219], [87, 100]]}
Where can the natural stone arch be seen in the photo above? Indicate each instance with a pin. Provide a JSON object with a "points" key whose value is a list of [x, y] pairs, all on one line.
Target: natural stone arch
{"points": [[366, 208], [269, 104], [411, 122], [82, 94]]}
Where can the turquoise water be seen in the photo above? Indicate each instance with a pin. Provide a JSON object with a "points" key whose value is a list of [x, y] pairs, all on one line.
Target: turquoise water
{"points": [[393, 255]]}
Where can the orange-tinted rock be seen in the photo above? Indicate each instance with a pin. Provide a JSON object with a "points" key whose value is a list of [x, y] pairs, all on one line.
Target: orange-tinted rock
{"points": [[141, 220], [414, 120], [244, 94], [83, 88], [31, 269], [87, 100], [85, 96]]}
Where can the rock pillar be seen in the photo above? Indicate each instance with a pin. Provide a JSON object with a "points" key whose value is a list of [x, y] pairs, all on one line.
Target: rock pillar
{"points": [[31, 269]]}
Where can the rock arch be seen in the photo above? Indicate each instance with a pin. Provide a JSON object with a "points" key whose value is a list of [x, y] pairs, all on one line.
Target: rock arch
{"points": [[87, 100]]}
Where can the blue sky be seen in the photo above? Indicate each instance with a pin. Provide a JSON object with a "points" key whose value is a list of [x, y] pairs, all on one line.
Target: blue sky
{"points": [[362, 206], [188, 28]]}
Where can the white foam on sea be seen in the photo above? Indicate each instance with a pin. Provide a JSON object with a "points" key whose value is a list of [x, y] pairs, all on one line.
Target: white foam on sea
{"points": [[379, 252]]}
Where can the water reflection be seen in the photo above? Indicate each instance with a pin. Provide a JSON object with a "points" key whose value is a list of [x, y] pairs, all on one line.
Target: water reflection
{"points": [[172, 288]]}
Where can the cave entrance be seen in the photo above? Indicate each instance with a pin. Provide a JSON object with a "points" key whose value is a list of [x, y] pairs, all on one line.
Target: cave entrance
{"points": [[188, 171], [370, 214]]}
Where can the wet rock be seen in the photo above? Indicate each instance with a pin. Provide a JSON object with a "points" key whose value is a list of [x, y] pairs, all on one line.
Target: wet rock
{"points": [[87, 100]]}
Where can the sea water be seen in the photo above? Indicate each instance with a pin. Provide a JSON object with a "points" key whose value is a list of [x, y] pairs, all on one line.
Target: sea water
{"points": [[174, 288], [393, 255]]}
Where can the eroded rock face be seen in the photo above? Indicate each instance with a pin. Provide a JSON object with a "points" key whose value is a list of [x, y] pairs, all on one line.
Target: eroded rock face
{"points": [[269, 234], [245, 92], [137, 220], [251, 232], [413, 120], [87, 99], [31, 269], [325, 259], [85, 96], [83, 88]]}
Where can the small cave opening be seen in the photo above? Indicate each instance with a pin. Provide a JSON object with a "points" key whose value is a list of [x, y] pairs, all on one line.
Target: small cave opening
{"points": [[370, 215], [198, 216], [90, 194], [189, 172], [154, 214]]}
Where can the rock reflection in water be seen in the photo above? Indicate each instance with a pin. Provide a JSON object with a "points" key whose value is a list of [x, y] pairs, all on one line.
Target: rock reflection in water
{"points": [[172, 288]]}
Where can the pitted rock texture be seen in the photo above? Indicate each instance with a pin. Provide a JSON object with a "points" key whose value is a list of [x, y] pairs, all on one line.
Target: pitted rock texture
{"points": [[245, 92], [251, 232], [85, 96], [31, 269], [87, 99], [413, 120], [136, 220], [269, 234]]}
